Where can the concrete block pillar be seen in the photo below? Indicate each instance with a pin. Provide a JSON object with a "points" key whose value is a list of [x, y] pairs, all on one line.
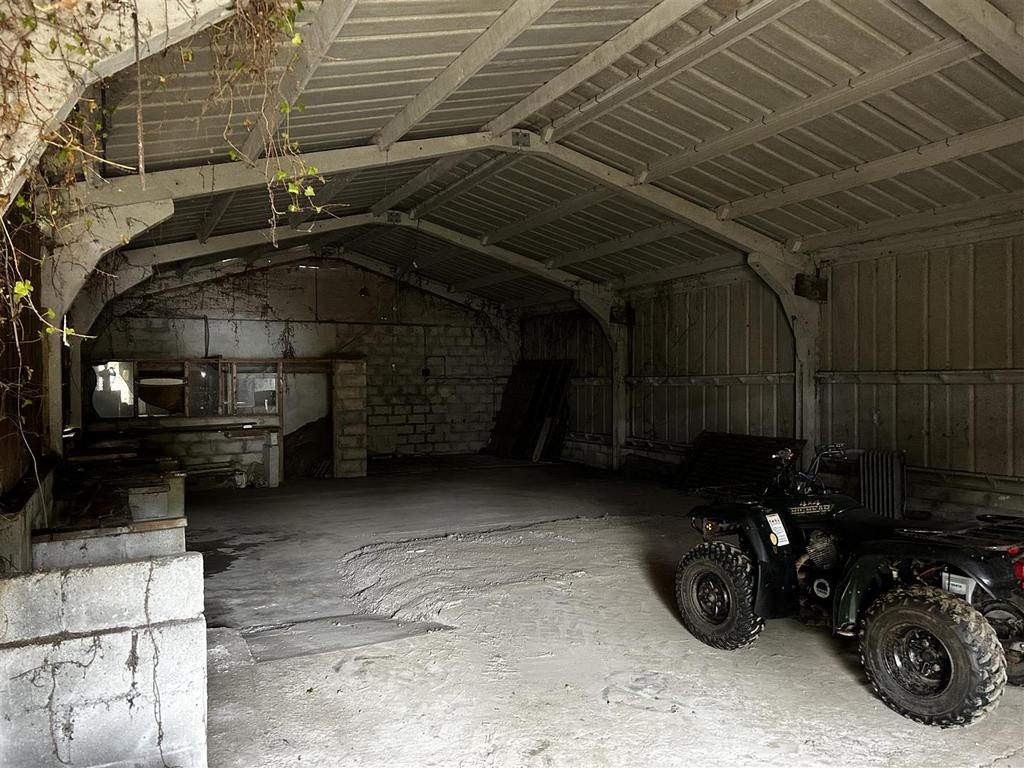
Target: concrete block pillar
{"points": [[348, 401], [804, 316]]}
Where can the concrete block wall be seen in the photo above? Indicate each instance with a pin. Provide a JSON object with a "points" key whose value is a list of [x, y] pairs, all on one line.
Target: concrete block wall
{"points": [[348, 387], [104, 666], [591, 453], [16, 528], [106, 546], [449, 410], [196, 449], [321, 314]]}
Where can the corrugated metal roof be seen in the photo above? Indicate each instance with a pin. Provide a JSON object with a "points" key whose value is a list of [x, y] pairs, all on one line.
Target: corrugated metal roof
{"points": [[390, 50]]}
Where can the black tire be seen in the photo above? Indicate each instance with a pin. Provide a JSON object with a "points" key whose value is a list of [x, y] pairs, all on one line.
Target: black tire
{"points": [[715, 595], [1007, 619], [932, 657]]}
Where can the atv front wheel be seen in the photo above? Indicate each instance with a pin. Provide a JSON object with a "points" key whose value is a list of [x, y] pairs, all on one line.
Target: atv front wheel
{"points": [[932, 657], [715, 594], [1007, 619]]}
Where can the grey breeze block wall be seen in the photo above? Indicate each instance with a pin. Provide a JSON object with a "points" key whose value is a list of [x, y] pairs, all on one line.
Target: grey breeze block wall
{"points": [[104, 666], [303, 312], [199, 448]]}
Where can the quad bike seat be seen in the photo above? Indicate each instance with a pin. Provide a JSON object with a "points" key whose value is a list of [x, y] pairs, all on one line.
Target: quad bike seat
{"points": [[862, 523], [989, 531]]}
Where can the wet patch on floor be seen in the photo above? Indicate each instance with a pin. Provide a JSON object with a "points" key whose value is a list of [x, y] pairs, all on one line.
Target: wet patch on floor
{"points": [[219, 553], [334, 633]]}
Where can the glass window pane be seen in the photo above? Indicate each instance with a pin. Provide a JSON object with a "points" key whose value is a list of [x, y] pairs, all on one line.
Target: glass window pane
{"points": [[114, 396], [256, 389], [203, 389]]}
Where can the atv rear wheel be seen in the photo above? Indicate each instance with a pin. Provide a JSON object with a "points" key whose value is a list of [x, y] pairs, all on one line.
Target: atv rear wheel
{"points": [[715, 595], [1007, 619], [932, 657]]}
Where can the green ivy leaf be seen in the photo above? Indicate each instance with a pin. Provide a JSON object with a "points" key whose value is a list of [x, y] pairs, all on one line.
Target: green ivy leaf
{"points": [[49, 314], [308, 191], [280, 175], [233, 154], [296, 39], [293, 188], [284, 108], [22, 288]]}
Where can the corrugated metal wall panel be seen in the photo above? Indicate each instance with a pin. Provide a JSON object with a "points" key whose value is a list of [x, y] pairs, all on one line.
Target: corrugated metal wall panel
{"points": [[924, 352], [711, 357], [576, 336]]}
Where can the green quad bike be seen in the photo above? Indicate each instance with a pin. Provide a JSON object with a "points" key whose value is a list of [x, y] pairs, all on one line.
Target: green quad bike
{"points": [[939, 606]]}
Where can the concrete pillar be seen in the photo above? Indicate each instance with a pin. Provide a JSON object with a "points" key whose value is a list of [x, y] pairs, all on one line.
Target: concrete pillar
{"points": [[618, 338], [804, 316], [75, 379], [348, 400], [80, 246], [600, 304]]}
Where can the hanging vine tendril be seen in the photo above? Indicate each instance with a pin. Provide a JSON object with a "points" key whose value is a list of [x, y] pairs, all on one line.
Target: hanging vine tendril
{"points": [[252, 53]]}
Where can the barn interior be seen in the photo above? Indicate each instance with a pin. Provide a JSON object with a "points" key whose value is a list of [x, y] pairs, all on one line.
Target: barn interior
{"points": [[374, 345]]}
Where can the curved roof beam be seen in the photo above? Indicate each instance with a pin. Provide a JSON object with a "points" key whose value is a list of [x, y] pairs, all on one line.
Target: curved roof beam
{"points": [[199, 181], [165, 254], [987, 27]]}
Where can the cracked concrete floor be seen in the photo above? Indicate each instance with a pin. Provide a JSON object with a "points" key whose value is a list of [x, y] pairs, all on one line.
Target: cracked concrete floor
{"points": [[548, 643]]}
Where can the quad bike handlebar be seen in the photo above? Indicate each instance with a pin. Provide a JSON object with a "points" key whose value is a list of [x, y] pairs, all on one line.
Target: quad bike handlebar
{"points": [[788, 478], [793, 480]]}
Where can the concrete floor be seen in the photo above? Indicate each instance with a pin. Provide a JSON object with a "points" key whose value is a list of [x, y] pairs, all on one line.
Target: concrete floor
{"points": [[457, 613]]}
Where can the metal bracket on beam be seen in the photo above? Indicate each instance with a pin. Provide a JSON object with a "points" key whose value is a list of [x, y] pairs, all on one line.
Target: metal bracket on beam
{"points": [[393, 217], [622, 314], [521, 139], [813, 287]]}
